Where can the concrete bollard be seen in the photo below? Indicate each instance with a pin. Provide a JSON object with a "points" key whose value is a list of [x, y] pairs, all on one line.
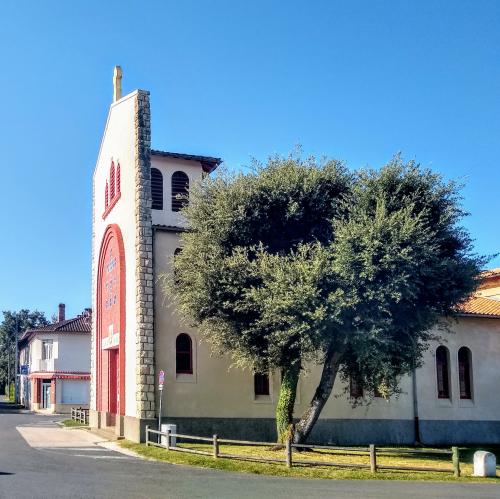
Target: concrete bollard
{"points": [[173, 429], [485, 464]]}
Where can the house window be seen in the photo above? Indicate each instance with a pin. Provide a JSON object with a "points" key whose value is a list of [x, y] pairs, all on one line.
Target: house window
{"points": [[112, 180], [47, 349], [261, 384], [464, 373], [180, 190], [183, 354], [443, 372], [157, 189], [355, 386]]}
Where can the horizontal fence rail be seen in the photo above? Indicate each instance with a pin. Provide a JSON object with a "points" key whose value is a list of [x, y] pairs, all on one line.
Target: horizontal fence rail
{"points": [[81, 415], [164, 439]]}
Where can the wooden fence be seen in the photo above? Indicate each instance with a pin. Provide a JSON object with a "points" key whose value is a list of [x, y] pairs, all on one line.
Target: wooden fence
{"points": [[163, 439], [81, 415]]}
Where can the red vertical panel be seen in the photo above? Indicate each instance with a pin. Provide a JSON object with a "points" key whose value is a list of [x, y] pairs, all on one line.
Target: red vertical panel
{"points": [[110, 313]]}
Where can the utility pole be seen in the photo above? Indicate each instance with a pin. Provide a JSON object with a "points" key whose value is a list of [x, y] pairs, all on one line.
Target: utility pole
{"points": [[8, 373], [16, 364]]}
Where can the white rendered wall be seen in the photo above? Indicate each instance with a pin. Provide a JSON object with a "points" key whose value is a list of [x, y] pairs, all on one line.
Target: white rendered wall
{"points": [[482, 337], [118, 145], [216, 390], [73, 352], [168, 166]]}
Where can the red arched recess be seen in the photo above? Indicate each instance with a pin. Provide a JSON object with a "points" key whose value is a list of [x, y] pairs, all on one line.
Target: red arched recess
{"points": [[110, 337]]}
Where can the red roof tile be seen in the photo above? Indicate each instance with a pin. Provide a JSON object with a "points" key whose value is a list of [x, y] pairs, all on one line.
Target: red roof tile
{"points": [[480, 306]]}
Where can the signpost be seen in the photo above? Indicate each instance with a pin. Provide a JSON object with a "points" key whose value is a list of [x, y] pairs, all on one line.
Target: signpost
{"points": [[161, 381]]}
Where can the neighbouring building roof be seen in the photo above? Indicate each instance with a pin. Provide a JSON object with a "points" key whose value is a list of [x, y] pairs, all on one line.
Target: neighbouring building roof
{"points": [[208, 163], [480, 306], [79, 324]]}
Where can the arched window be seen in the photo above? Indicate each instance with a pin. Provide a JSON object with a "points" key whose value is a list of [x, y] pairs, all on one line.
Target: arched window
{"points": [[261, 384], [465, 373], [157, 189], [183, 354], [443, 372], [112, 181], [180, 190], [106, 195], [118, 180]]}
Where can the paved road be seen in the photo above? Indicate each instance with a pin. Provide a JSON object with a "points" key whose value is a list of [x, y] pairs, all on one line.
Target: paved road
{"points": [[89, 471]]}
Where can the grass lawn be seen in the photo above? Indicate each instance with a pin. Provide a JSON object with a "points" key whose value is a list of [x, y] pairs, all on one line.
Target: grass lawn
{"points": [[308, 471], [70, 423]]}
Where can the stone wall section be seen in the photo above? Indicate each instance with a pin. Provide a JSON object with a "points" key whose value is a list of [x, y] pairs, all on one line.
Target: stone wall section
{"points": [[145, 374]]}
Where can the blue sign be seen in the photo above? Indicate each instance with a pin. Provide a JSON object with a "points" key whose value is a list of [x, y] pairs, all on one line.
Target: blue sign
{"points": [[24, 369]]}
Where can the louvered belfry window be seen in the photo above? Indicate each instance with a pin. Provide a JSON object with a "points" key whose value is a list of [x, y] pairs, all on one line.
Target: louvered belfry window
{"points": [[157, 189], [180, 190]]}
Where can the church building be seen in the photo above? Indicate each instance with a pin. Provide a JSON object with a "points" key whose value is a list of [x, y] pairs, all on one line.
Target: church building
{"points": [[135, 333]]}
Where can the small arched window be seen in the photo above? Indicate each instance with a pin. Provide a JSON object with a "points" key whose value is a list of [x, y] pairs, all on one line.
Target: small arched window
{"points": [[465, 373], [118, 180], [112, 180], [180, 190], [183, 354], [106, 195], [443, 372], [156, 189]]}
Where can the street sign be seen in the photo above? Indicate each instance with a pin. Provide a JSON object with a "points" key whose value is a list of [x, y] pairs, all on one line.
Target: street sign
{"points": [[161, 381], [24, 369]]}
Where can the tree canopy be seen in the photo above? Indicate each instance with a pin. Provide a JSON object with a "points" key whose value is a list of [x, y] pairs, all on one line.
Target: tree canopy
{"points": [[11, 328], [300, 261]]}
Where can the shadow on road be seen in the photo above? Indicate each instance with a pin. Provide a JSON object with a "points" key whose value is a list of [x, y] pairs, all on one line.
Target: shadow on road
{"points": [[9, 407]]}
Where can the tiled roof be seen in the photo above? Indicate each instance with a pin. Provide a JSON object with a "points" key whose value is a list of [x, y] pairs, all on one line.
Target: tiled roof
{"points": [[480, 306], [208, 163], [80, 324], [490, 273]]}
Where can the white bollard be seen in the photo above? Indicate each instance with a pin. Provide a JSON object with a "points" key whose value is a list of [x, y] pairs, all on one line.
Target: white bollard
{"points": [[485, 464], [173, 429]]}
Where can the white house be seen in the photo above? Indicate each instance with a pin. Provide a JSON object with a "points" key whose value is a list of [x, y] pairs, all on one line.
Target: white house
{"points": [[55, 364], [135, 334]]}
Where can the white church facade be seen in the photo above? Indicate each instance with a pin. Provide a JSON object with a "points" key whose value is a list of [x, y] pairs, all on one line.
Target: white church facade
{"points": [[135, 334]]}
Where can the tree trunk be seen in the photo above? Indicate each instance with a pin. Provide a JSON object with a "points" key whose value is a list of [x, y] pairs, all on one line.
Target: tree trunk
{"points": [[308, 420], [286, 401]]}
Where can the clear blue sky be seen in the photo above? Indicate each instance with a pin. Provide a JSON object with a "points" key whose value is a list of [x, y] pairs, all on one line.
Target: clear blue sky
{"points": [[355, 80]]}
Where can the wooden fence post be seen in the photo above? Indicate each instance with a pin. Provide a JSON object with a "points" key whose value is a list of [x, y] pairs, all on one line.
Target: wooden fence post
{"points": [[288, 453], [147, 435], [373, 459], [168, 439], [455, 457], [215, 447]]}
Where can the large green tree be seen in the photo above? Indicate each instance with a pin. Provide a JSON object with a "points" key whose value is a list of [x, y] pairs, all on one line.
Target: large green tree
{"points": [[402, 263], [300, 262], [253, 273], [11, 328]]}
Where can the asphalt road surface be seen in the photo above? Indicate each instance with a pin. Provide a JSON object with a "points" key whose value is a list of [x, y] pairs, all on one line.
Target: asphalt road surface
{"points": [[46, 469]]}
